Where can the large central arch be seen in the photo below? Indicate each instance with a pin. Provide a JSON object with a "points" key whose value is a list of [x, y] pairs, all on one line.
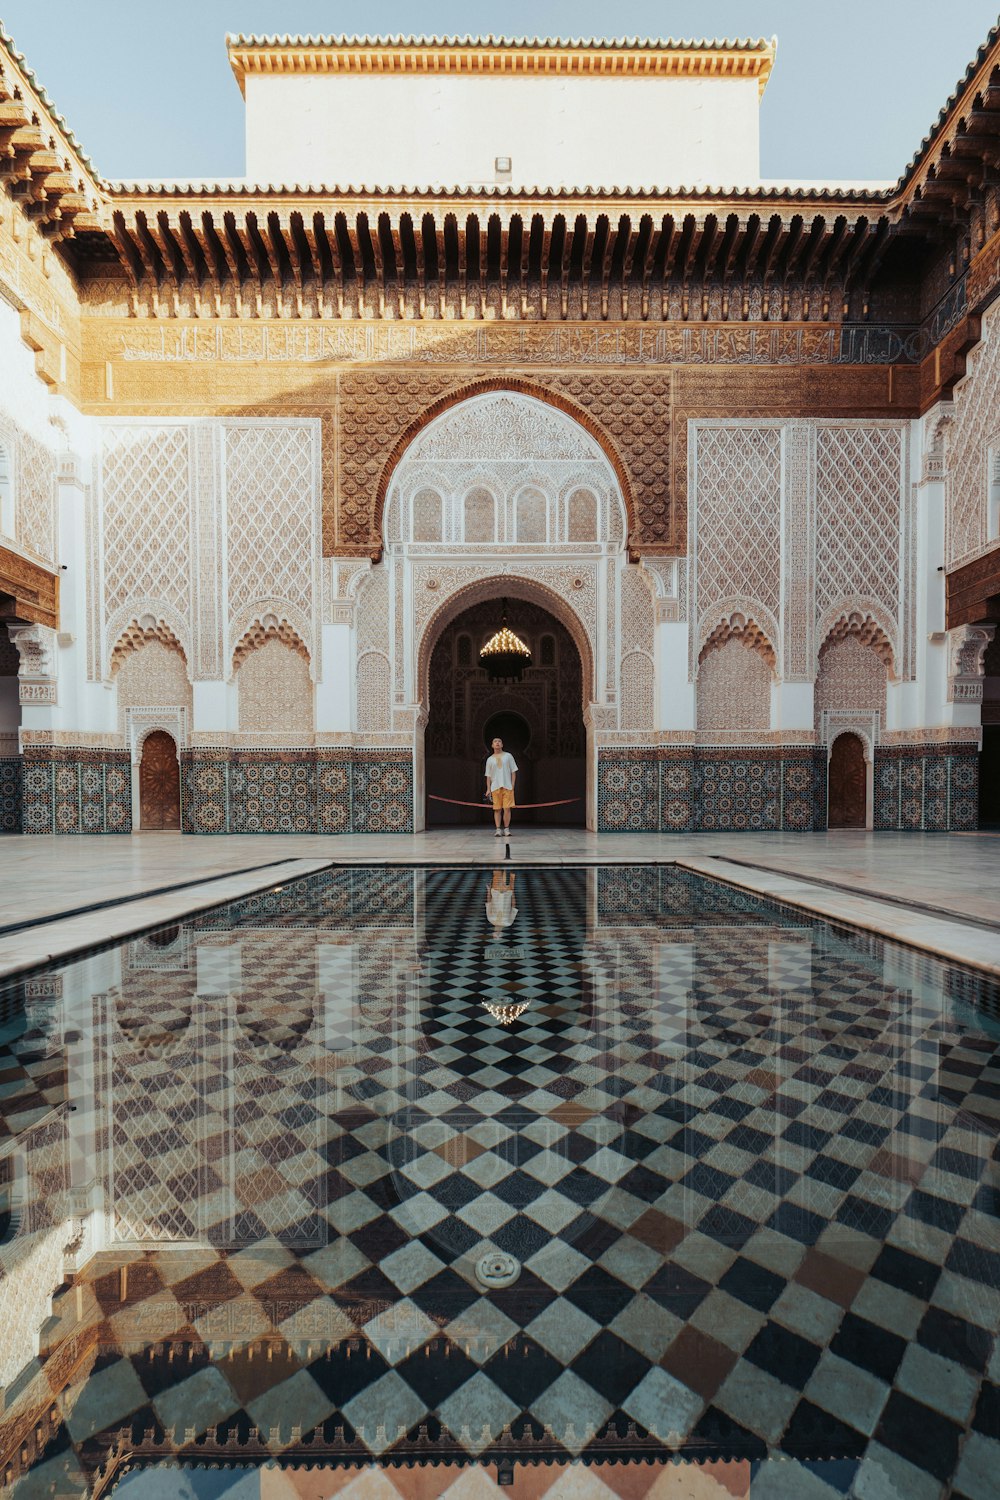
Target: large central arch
{"points": [[502, 494]]}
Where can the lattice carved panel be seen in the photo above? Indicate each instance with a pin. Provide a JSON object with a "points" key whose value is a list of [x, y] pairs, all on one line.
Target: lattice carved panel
{"points": [[272, 521], [374, 693], [36, 516], [637, 701], [737, 523], [851, 678], [373, 612], [145, 492], [274, 690], [637, 611], [858, 518], [977, 403], [734, 689]]}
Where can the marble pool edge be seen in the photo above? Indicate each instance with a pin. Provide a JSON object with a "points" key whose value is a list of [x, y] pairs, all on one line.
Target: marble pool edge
{"points": [[971, 945]]}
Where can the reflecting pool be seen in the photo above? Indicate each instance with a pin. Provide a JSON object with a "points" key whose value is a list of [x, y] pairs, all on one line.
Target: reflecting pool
{"points": [[739, 1170]]}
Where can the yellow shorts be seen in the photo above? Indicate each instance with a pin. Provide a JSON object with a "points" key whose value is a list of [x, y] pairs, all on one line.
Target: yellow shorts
{"points": [[503, 797]]}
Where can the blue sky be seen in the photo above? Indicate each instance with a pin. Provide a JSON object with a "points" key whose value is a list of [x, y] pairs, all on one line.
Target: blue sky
{"points": [[148, 90]]}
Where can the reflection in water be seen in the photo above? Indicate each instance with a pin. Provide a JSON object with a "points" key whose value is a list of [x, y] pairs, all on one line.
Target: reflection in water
{"points": [[506, 1013], [746, 1163]]}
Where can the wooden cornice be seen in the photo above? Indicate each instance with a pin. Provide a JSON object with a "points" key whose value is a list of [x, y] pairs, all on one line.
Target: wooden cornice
{"points": [[767, 254], [412, 258]]}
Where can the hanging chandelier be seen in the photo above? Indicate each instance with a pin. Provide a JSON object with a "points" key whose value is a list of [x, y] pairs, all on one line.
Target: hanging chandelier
{"points": [[505, 655]]}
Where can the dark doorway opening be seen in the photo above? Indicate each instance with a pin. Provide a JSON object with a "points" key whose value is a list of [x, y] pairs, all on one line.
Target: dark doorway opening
{"points": [[539, 719], [848, 801], [159, 784], [989, 777]]}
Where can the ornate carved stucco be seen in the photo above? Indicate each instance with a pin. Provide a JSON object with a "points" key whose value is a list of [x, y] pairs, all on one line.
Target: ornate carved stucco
{"points": [[968, 441], [380, 414]]}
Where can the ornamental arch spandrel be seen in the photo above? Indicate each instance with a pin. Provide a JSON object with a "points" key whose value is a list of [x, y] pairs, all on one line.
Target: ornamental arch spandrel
{"points": [[381, 414]]}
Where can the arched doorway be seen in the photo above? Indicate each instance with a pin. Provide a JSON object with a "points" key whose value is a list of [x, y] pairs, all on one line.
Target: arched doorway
{"points": [[848, 783], [159, 784], [539, 719]]}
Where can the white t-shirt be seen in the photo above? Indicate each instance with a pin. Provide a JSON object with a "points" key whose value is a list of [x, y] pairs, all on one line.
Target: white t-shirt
{"points": [[500, 908], [499, 769]]}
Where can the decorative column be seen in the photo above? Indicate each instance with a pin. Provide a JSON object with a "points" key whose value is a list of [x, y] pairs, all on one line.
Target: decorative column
{"points": [[597, 717]]}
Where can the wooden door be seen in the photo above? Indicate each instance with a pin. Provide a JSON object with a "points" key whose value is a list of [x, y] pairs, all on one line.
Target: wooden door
{"points": [[848, 783], [159, 783]]}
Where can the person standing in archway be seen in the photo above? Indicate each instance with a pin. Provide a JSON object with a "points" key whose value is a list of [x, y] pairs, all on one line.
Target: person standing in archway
{"points": [[501, 777]]}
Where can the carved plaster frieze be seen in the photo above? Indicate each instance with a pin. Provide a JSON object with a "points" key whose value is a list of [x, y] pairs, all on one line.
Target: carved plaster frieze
{"points": [[935, 450], [600, 717]]}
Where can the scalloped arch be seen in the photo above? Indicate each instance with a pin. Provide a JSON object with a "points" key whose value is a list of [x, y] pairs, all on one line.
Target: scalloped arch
{"points": [[863, 622], [137, 634], [268, 629], [742, 627]]}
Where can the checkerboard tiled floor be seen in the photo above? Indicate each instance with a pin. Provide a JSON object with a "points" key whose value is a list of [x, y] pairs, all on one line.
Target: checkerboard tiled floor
{"points": [[749, 1167]]}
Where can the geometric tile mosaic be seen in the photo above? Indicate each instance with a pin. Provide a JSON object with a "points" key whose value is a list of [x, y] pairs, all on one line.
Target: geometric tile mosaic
{"points": [[662, 789], [733, 791], [11, 794], [76, 791], [297, 791]]}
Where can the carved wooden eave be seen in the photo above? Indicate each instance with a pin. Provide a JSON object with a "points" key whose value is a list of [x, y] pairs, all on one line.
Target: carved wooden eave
{"points": [[41, 161], [770, 255], [499, 254], [958, 160], [972, 591], [29, 593]]}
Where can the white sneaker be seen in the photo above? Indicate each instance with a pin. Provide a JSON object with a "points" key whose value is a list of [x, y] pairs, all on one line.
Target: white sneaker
{"points": [[497, 834]]}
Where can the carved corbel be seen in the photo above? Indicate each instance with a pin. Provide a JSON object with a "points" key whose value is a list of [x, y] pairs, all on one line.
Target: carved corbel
{"points": [[935, 460], [966, 650], [37, 649], [599, 716]]}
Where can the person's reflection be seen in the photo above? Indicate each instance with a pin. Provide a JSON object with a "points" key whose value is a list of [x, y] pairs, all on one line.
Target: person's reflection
{"points": [[500, 908]]}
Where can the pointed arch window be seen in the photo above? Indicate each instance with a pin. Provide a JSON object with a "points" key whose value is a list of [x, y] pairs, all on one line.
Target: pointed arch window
{"points": [[480, 516]]}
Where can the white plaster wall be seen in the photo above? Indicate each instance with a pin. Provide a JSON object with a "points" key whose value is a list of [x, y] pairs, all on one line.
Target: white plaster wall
{"points": [[558, 132], [23, 397], [27, 401]]}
